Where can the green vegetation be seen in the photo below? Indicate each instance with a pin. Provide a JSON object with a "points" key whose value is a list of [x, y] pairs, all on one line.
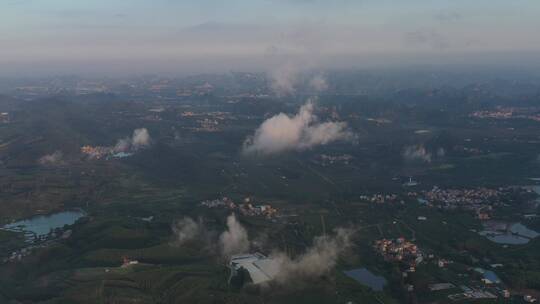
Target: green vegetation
{"points": [[132, 202]]}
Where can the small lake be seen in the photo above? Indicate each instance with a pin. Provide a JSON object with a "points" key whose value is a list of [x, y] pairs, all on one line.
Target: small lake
{"points": [[41, 225], [366, 277], [520, 229], [508, 233], [492, 276], [489, 275], [507, 239]]}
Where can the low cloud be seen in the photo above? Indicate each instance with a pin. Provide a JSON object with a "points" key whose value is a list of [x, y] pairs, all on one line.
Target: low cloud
{"points": [[287, 78], [55, 158], [417, 153], [318, 260], [318, 83], [235, 239], [284, 79], [186, 230], [140, 138], [302, 131]]}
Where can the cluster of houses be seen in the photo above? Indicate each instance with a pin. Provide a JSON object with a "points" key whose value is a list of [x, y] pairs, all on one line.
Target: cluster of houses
{"points": [[100, 152], [509, 113], [382, 198], [96, 152], [18, 255], [481, 201], [207, 122], [400, 250], [38, 242], [503, 113], [326, 160], [246, 208], [453, 198]]}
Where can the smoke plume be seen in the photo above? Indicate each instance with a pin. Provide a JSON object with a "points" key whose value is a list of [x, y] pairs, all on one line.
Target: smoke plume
{"points": [[281, 133], [417, 153], [123, 145], [55, 158], [140, 139], [284, 79], [186, 229], [318, 260], [235, 239], [318, 83]]}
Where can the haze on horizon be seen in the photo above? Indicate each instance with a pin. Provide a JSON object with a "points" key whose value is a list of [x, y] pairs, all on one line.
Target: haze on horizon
{"points": [[121, 37]]}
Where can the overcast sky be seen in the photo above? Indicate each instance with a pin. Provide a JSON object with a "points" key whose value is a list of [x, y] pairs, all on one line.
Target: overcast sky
{"points": [[190, 36]]}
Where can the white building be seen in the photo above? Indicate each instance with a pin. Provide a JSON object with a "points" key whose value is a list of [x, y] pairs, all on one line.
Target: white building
{"points": [[261, 268]]}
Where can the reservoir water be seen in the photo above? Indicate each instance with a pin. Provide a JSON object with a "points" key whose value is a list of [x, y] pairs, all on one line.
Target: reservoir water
{"points": [[41, 225], [366, 277], [508, 233]]}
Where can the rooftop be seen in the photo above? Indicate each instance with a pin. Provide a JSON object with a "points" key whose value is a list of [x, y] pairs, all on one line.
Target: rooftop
{"points": [[261, 268]]}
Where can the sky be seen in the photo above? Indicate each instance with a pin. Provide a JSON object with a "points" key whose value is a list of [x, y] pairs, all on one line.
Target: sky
{"points": [[191, 36]]}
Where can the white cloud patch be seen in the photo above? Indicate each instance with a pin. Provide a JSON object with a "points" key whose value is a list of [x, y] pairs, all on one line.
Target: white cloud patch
{"points": [[319, 83], [417, 153], [302, 131], [186, 229], [140, 139], [284, 79], [55, 158], [318, 260]]}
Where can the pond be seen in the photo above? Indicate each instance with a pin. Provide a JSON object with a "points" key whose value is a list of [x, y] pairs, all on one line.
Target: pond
{"points": [[492, 277], [507, 239], [508, 233], [366, 277], [520, 229], [489, 275], [41, 225]]}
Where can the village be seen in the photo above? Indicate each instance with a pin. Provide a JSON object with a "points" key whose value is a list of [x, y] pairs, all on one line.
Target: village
{"points": [[247, 208], [482, 201]]}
